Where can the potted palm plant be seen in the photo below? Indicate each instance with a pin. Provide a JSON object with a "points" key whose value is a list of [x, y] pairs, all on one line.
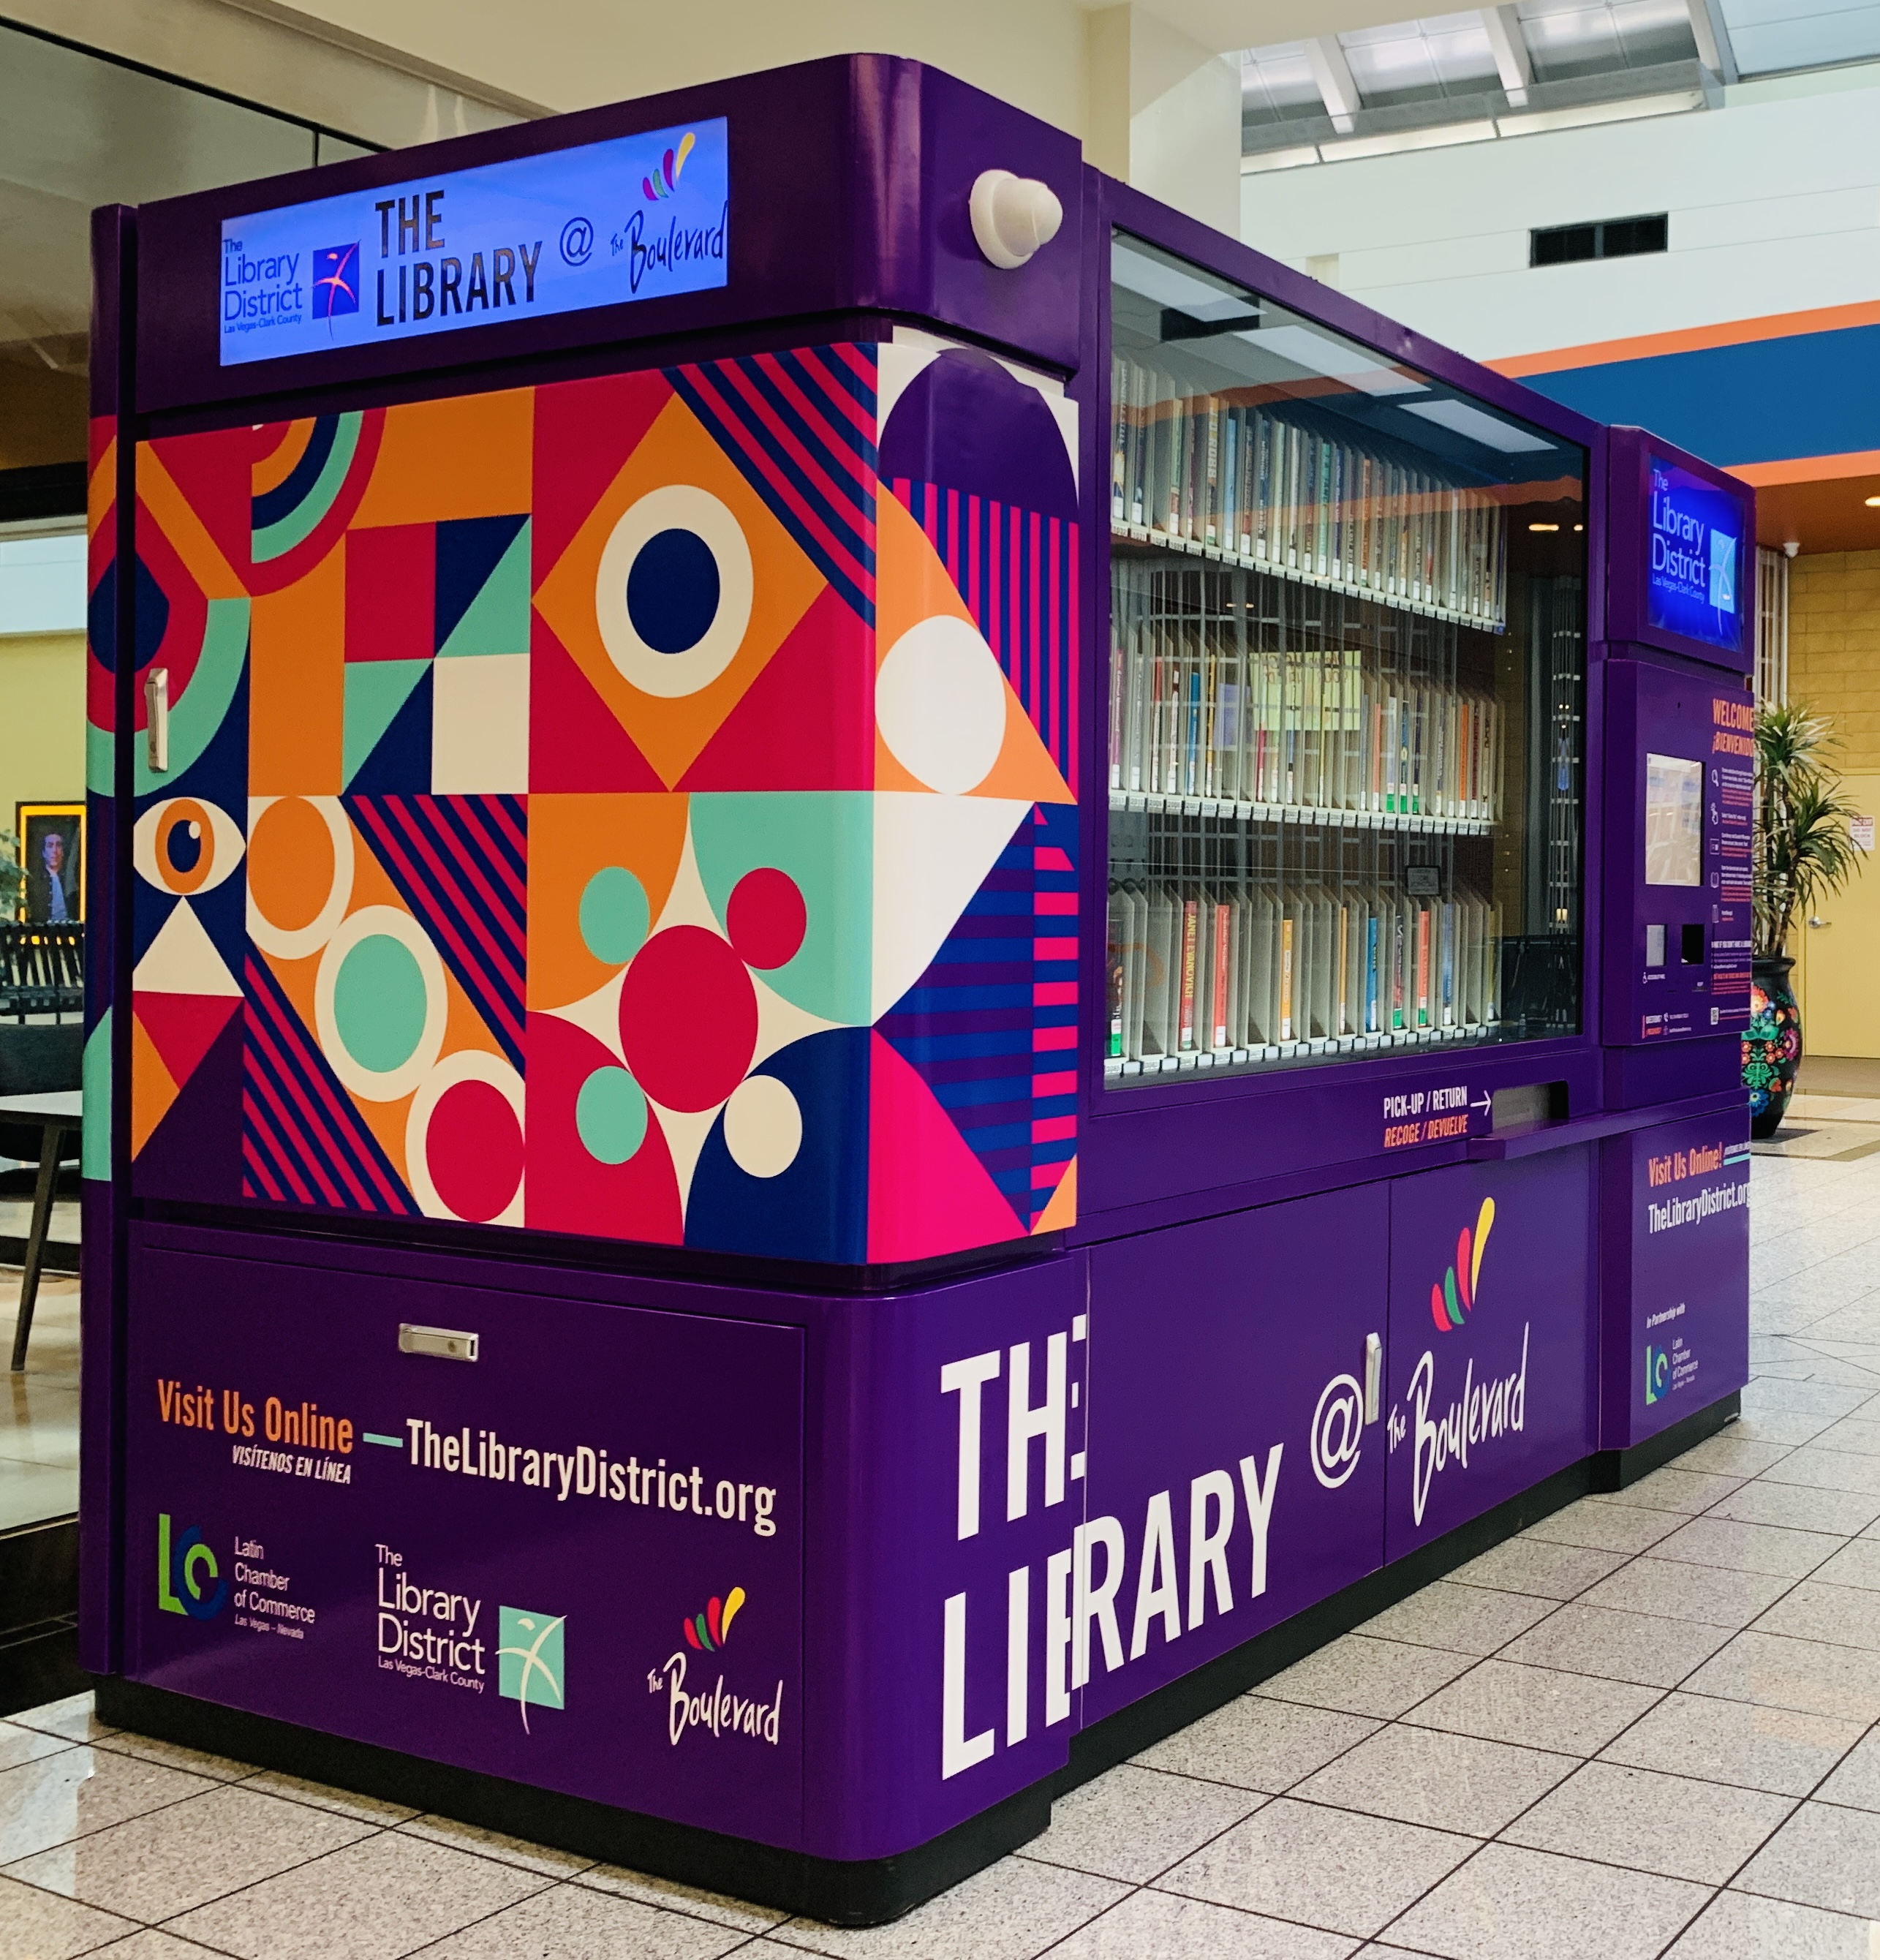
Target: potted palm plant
{"points": [[1803, 854]]}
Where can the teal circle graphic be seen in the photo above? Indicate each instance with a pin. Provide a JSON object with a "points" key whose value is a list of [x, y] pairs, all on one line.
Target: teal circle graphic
{"points": [[615, 915], [379, 1003], [610, 1115]]}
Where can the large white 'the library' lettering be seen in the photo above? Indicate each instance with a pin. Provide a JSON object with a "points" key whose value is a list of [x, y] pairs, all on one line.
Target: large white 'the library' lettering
{"points": [[1085, 1587]]}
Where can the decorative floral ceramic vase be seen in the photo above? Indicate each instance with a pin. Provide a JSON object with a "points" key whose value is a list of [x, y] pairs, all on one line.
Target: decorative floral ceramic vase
{"points": [[1772, 1044]]}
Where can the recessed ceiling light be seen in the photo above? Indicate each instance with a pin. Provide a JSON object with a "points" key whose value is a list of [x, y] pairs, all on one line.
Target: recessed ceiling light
{"points": [[1580, 527], [1543, 527], [1873, 503]]}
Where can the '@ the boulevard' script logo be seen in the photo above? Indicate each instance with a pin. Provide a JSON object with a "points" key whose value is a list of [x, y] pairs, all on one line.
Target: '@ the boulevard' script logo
{"points": [[716, 1709]]}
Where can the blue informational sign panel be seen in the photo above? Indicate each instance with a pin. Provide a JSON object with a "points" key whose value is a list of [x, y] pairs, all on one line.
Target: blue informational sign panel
{"points": [[1694, 582], [635, 217]]}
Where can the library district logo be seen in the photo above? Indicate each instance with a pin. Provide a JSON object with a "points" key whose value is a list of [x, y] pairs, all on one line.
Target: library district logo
{"points": [[1723, 571], [718, 1709], [188, 1580], [335, 281], [1452, 1302], [531, 1666]]}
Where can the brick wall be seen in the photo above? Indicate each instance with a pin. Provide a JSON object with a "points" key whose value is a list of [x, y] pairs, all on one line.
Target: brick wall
{"points": [[1835, 647]]}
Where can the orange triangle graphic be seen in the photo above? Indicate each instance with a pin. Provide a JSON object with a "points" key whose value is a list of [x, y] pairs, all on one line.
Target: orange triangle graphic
{"points": [[153, 1087], [181, 1027], [575, 742], [1061, 1212]]}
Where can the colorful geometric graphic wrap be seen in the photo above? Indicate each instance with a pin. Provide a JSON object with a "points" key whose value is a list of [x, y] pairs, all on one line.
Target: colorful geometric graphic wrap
{"points": [[610, 808], [100, 800]]}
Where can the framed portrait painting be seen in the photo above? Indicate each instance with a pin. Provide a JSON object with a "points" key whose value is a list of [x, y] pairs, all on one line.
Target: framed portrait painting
{"points": [[52, 854]]}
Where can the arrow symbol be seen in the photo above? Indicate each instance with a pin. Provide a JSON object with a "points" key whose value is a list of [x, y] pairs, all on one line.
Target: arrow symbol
{"points": [[1485, 1105]]}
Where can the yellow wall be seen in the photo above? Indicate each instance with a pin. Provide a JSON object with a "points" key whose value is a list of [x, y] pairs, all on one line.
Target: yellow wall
{"points": [[42, 415], [1834, 667], [42, 719], [568, 54], [1835, 647]]}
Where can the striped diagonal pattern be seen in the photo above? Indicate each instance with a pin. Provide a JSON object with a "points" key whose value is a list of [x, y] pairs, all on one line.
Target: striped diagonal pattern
{"points": [[461, 864], [800, 427], [1017, 572], [302, 1140], [990, 1027]]}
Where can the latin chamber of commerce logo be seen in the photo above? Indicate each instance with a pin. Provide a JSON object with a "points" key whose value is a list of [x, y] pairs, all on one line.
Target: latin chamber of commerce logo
{"points": [[188, 1580], [665, 179], [1452, 1303], [531, 1666], [1657, 1374], [335, 281]]}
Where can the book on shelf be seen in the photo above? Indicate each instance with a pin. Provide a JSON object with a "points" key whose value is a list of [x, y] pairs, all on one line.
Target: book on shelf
{"points": [[1216, 966], [1197, 710], [1221, 469]]}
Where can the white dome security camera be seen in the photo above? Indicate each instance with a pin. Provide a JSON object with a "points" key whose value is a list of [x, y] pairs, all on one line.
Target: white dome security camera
{"points": [[1012, 217]]}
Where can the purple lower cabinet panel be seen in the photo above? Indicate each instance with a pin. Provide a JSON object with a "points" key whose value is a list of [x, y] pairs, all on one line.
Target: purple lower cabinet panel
{"points": [[576, 1562], [100, 1576], [1492, 1359], [1231, 1480], [1675, 1236], [947, 1494]]}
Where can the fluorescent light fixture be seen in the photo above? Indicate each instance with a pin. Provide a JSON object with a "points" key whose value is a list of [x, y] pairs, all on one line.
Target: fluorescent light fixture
{"points": [[42, 584], [1543, 527], [1263, 161], [1490, 431], [1539, 121], [1872, 503], [1170, 286], [1443, 137], [1319, 353]]}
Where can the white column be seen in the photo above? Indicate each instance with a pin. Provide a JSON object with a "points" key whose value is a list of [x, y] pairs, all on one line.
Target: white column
{"points": [[1165, 115]]}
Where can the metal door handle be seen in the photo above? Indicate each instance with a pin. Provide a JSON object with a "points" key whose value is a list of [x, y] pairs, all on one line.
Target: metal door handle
{"points": [[1373, 1377], [156, 720], [1817, 924]]}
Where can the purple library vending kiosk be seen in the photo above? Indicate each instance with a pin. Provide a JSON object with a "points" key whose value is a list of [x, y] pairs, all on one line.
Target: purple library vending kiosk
{"points": [[897, 967]]}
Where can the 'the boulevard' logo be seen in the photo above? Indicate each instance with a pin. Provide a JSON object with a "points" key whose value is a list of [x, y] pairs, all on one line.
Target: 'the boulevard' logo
{"points": [[1452, 1303], [706, 1631], [723, 1713], [188, 1580], [1486, 1410]]}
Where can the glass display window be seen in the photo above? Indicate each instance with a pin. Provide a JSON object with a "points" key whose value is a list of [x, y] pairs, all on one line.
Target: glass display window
{"points": [[1345, 698]]}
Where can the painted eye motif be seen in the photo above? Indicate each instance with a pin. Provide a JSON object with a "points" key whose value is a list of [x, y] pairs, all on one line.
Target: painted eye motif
{"points": [[672, 595], [184, 846]]}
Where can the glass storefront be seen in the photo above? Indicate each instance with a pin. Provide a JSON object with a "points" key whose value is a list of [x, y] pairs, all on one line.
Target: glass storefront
{"points": [[1345, 699]]}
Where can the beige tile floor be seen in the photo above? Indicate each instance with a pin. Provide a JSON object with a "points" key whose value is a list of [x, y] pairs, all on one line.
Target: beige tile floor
{"points": [[1648, 1726], [38, 1410]]}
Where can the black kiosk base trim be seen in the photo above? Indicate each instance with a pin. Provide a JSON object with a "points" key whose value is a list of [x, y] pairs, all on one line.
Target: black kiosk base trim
{"points": [[867, 1892]]}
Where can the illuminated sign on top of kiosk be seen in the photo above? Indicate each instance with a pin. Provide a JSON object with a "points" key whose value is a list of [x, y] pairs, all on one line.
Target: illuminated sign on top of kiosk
{"points": [[632, 218], [1693, 580]]}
